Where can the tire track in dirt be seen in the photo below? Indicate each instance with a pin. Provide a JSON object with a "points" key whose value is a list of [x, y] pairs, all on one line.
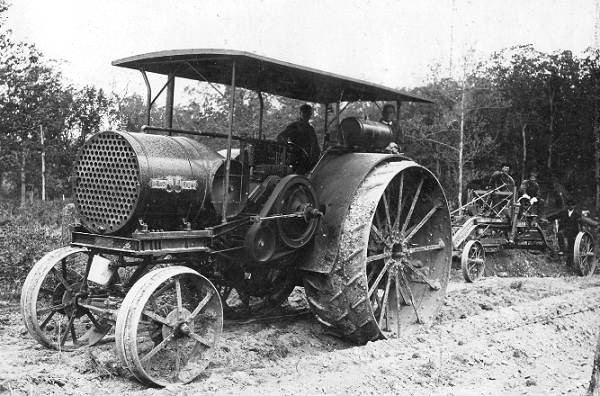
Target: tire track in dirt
{"points": [[498, 336], [539, 347]]}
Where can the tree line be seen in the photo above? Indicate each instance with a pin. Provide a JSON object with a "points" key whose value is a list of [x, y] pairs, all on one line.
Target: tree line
{"points": [[531, 109]]}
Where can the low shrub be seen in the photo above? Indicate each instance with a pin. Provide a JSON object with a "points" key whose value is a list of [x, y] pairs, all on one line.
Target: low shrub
{"points": [[26, 234]]}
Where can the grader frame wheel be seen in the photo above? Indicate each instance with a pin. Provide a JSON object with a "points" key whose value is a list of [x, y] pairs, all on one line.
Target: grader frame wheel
{"points": [[583, 253], [168, 326], [50, 301], [394, 260], [472, 261]]}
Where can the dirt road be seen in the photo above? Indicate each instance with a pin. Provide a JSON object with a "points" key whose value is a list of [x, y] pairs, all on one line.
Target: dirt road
{"points": [[499, 336]]}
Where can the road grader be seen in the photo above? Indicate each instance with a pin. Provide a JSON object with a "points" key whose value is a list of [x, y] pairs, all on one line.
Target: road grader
{"points": [[172, 236], [495, 218]]}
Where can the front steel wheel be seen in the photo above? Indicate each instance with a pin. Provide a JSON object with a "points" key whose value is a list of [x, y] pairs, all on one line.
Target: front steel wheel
{"points": [[169, 326], [472, 261], [51, 297], [583, 254], [394, 257]]}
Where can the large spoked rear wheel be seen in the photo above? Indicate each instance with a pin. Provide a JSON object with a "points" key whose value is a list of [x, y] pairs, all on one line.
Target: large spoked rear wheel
{"points": [[50, 300], [168, 326], [394, 257], [583, 254], [472, 261]]}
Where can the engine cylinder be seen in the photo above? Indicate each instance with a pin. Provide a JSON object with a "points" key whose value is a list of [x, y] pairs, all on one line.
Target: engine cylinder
{"points": [[365, 134], [122, 177]]}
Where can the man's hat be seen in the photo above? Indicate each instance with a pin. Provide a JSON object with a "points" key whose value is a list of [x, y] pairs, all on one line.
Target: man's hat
{"points": [[305, 107], [388, 106]]}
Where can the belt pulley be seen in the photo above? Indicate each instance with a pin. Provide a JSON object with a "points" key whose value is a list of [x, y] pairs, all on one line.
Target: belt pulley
{"points": [[292, 210]]}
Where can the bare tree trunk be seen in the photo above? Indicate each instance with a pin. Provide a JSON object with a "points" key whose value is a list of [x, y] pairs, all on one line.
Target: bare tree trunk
{"points": [[524, 159], [24, 155], [593, 389], [596, 129], [461, 144], [43, 164], [550, 133]]}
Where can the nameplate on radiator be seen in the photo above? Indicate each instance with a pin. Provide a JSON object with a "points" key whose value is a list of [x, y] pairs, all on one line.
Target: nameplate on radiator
{"points": [[173, 183]]}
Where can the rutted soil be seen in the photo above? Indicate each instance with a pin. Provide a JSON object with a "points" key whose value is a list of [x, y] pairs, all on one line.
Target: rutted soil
{"points": [[498, 336]]}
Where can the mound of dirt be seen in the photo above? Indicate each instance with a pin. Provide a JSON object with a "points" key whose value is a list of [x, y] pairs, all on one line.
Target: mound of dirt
{"points": [[526, 263], [521, 263]]}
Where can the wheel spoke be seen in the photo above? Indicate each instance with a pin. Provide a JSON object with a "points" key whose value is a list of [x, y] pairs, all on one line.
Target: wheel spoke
{"points": [[94, 320], [377, 233], [385, 300], [60, 278], [166, 286], [63, 338], [177, 358], [379, 226], [179, 298], [379, 277], [201, 305], [386, 207], [63, 265], [200, 339], [412, 206], [53, 308], [471, 266], [157, 348], [377, 257], [411, 297], [433, 284], [43, 290], [400, 203], [421, 223], [45, 322], [156, 318], [426, 248], [371, 274], [397, 289], [73, 334]]}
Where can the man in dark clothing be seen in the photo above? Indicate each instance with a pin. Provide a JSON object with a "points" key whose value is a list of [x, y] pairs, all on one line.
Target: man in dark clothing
{"points": [[530, 193], [305, 148], [568, 227], [388, 117], [501, 177]]}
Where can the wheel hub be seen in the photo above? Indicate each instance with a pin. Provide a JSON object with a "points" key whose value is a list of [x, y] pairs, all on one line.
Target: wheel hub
{"points": [[70, 298], [396, 249], [179, 322]]}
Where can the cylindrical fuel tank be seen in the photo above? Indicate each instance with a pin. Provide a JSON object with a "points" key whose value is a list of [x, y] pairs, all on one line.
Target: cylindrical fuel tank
{"points": [[121, 178], [365, 134]]}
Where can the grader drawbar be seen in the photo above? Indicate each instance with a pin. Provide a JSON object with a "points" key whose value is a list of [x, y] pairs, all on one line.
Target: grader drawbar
{"points": [[173, 237]]}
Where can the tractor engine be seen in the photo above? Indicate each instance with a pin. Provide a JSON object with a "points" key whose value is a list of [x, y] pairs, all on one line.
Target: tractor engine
{"points": [[125, 180]]}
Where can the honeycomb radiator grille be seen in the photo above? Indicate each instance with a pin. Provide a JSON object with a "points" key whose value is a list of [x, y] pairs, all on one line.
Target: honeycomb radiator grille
{"points": [[107, 182]]}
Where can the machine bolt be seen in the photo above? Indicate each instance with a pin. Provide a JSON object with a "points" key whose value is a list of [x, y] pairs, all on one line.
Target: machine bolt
{"points": [[184, 328]]}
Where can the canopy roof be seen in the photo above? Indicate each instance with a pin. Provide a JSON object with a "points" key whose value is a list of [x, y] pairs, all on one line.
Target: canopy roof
{"points": [[259, 73]]}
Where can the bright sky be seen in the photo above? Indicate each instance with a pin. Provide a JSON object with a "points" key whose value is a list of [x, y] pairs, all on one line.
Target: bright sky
{"points": [[384, 41]]}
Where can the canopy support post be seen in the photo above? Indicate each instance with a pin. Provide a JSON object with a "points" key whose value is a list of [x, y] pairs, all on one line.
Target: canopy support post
{"points": [[325, 129], [337, 121], [229, 139], [148, 96], [261, 102], [400, 132], [169, 104]]}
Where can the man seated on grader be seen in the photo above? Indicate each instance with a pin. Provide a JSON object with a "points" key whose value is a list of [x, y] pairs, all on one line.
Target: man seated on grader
{"points": [[532, 205]]}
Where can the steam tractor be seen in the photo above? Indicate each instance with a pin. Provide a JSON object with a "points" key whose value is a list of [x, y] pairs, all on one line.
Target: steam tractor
{"points": [[172, 235]]}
